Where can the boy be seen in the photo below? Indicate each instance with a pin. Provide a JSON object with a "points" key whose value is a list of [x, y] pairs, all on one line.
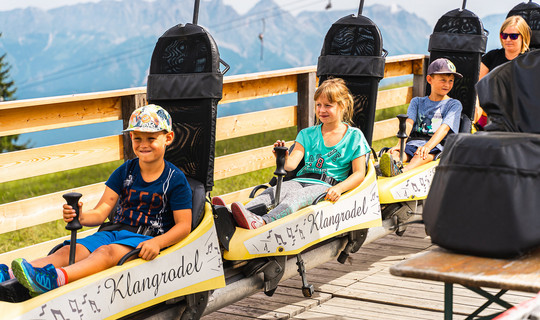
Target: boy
{"points": [[154, 211], [429, 120]]}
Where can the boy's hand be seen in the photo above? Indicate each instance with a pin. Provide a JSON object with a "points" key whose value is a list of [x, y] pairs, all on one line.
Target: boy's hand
{"points": [[422, 152], [69, 213], [149, 249]]}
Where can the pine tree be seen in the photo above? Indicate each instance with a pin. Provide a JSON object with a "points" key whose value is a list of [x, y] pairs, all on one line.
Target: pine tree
{"points": [[7, 91], [7, 86]]}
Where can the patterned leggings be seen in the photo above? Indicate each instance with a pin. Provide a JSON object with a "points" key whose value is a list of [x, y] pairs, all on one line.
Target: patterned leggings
{"points": [[294, 196]]}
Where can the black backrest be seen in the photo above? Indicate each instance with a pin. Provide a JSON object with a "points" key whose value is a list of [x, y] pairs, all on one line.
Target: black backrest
{"points": [[185, 80], [509, 95], [459, 36], [530, 11], [352, 50]]}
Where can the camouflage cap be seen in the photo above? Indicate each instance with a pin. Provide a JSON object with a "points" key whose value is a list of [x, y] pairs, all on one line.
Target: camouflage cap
{"points": [[443, 66]]}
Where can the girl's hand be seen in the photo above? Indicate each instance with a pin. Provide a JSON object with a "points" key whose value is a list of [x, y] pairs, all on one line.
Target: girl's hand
{"points": [[149, 249], [69, 213], [280, 143], [333, 194]]}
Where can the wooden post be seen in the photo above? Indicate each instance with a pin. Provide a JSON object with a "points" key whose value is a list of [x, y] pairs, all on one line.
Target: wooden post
{"points": [[306, 84], [129, 104], [419, 76]]}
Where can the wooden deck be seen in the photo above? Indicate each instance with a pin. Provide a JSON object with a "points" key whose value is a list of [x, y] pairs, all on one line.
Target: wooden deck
{"points": [[363, 289]]}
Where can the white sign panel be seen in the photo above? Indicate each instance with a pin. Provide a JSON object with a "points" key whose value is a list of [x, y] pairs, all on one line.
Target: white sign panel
{"points": [[196, 262], [417, 186], [294, 234]]}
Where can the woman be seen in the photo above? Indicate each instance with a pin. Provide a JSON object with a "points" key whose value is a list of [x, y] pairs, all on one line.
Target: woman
{"points": [[515, 36]]}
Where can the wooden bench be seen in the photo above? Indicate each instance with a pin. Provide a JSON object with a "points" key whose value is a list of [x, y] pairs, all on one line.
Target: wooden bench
{"points": [[472, 272]]}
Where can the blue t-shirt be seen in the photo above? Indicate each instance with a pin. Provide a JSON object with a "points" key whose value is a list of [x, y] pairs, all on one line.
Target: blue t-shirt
{"points": [[336, 160], [429, 115], [149, 203]]}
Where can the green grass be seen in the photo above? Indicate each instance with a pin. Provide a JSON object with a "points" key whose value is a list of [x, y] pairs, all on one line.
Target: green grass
{"points": [[45, 184]]}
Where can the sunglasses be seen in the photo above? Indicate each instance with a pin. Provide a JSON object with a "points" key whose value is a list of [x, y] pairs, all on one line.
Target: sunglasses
{"points": [[512, 36]]}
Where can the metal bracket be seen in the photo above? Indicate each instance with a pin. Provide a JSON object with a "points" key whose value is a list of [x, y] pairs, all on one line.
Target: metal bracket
{"points": [[307, 289], [355, 240], [195, 305]]}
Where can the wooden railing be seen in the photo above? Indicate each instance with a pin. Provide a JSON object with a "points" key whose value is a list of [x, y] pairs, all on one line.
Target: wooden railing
{"points": [[34, 115]]}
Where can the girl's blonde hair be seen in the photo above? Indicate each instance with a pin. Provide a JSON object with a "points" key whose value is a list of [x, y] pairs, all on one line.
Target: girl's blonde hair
{"points": [[523, 28], [335, 90]]}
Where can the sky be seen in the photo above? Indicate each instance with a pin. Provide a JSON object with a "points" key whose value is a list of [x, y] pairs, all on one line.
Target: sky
{"points": [[430, 10]]}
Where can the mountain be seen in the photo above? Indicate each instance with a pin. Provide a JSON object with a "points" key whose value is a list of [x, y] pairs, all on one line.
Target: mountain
{"points": [[107, 45]]}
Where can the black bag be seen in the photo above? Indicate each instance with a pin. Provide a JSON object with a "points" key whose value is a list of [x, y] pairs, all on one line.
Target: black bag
{"points": [[484, 196]]}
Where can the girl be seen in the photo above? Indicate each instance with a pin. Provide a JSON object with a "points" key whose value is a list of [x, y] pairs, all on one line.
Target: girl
{"points": [[331, 150]]}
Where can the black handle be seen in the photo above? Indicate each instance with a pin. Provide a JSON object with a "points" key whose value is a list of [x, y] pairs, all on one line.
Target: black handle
{"points": [[280, 161], [402, 133], [72, 199]]}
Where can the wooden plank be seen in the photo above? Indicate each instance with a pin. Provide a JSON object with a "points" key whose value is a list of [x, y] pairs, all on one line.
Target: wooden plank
{"points": [[80, 97], [394, 97], [33, 162], [403, 65], [254, 312], [273, 74], [34, 211], [258, 88], [272, 305], [520, 274], [243, 162], [385, 311], [385, 129], [255, 122], [59, 115]]}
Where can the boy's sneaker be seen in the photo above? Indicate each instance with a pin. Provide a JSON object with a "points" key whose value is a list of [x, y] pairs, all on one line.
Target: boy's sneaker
{"points": [[4, 273], [388, 166], [245, 218], [218, 201], [37, 280]]}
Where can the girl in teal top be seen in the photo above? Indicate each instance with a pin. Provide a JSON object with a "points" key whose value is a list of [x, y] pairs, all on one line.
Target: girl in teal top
{"points": [[331, 150]]}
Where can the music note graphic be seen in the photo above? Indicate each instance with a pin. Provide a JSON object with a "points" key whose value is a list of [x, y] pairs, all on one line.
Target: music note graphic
{"points": [[279, 240], [94, 306], [73, 305], [58, 313], [209, 250], [291, 235], [84, 298], [269, 234], [301, 234], [43, 310]]}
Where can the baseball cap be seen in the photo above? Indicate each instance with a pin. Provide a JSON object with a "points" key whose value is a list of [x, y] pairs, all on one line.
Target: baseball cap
{"points": [[149, 118], [443, 66]]}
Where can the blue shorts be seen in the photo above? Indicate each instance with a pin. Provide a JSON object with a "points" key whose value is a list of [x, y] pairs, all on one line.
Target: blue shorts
{"points": [[410, 150], [103, 238]]}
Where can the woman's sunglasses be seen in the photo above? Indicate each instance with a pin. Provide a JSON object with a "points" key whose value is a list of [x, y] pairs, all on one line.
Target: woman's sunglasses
{"points": [[512, 36]]}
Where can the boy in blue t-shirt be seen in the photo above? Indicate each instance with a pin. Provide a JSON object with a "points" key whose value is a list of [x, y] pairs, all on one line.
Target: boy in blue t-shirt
{"points": [[153, 212], [429, 120]]}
